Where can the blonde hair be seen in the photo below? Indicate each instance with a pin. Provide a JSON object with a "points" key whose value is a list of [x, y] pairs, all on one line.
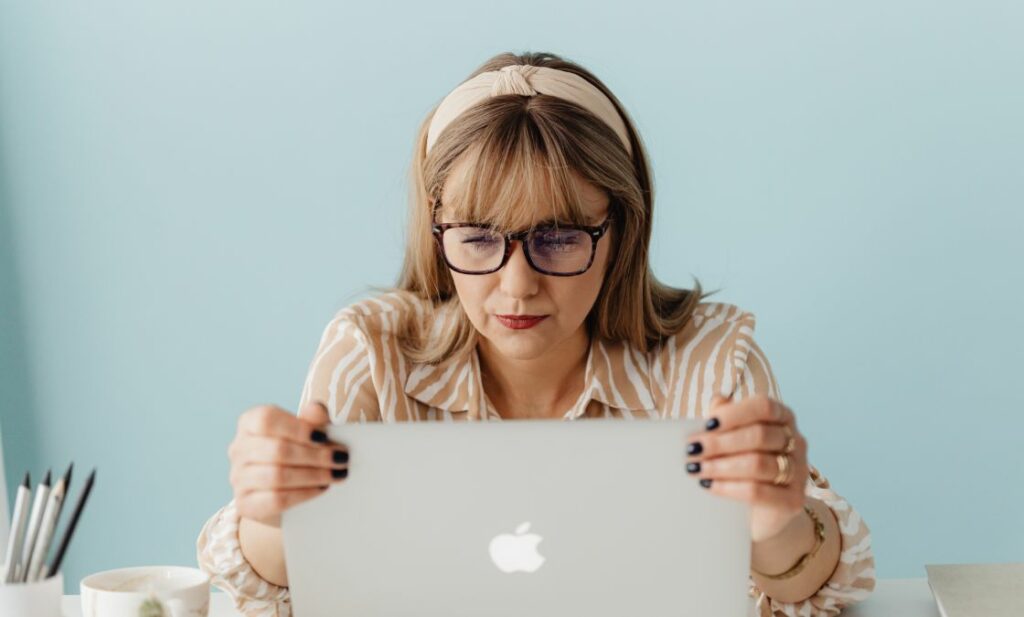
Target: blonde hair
{"points": [[520, 150]]}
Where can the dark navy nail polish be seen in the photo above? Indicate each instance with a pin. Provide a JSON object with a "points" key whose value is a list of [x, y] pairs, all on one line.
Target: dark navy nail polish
{"points": [[712, 424], [318, 436], [340, 456], [706, 483], [694, 447], [339, 473], [693, 467]]}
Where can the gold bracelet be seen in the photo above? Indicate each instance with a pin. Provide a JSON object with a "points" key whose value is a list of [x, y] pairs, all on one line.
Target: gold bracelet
{"points": [[819, 539]]}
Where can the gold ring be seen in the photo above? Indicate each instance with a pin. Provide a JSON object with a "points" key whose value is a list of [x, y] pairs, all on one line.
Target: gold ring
{"points": [[783, 476], [791, 441]]}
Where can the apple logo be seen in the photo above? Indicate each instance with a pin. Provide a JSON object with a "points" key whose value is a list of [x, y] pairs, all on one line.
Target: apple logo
{"points": [[517, 553]]}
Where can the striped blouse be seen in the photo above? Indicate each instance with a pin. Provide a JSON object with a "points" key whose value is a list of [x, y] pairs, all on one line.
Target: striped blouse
{"points": [[359, 372]]}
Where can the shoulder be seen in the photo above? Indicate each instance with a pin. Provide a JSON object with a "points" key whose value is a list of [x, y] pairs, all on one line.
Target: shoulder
{"points": [[708, 355], [385, 313], [377, 325], [355, 355], [384, 306], [712, 326]]}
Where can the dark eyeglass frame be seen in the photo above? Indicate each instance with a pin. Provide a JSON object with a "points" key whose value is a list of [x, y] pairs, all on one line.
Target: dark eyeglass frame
{"points": [[593, 231]]}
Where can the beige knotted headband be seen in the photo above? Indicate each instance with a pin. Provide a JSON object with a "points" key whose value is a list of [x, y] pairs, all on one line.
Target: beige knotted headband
{"points": [[527, 80]]}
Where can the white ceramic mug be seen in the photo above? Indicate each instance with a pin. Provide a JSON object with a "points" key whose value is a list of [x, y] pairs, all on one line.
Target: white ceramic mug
{"points": [[146, 591]]}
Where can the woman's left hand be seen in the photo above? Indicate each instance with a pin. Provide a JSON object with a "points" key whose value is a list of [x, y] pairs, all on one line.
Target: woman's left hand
{"points": [[737, 457]]}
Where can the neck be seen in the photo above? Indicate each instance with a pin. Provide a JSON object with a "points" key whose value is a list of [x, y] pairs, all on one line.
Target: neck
{"points": [[543, 387]]}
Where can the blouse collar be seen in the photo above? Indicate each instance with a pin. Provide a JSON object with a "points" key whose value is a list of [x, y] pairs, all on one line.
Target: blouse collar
{"points": [[617, 375]]}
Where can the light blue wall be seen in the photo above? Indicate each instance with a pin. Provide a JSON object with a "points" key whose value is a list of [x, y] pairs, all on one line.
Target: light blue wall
{"points": [[189, 190]]}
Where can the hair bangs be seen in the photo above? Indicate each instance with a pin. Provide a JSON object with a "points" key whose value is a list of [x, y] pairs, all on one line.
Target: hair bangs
{"points": [[514, 178]]}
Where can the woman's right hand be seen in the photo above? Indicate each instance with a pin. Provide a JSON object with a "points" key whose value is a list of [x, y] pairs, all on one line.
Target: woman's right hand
{"points": [[279, 460]]}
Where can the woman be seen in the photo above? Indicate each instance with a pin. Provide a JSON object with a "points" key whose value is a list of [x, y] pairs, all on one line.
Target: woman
{"points": [[526, 293]]}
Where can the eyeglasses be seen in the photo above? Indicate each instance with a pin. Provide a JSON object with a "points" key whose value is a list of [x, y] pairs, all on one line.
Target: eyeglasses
{"points": [[555, 250]]}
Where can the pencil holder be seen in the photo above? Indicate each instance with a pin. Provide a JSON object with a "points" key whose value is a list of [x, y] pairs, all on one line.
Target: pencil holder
{"points": [[39, 599]]}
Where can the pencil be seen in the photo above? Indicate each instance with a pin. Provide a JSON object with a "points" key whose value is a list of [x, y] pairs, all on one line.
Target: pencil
{"points": [[17, 537], [34, 522], [49, 522], [69, 530], [67, 488]]}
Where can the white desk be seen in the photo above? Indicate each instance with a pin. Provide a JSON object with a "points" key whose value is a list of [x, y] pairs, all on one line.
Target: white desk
{"points": [[895, 597], [909, 597]]}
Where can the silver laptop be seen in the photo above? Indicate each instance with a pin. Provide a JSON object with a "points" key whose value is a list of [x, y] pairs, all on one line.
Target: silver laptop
{"points": [[594, 517]]}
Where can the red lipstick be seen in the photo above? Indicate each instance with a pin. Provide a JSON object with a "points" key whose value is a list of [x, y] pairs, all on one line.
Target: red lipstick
{"points": [[520, 322]]}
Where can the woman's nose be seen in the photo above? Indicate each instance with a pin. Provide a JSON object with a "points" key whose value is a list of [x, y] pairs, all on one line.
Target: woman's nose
{"points": [[517, 277]]}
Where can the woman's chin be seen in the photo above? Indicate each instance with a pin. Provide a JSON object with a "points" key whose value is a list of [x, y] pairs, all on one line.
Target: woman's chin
{"points": [[520, 345]]}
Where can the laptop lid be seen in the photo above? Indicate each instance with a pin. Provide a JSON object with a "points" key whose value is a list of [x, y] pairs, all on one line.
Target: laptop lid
{"points": [[593, 517]]}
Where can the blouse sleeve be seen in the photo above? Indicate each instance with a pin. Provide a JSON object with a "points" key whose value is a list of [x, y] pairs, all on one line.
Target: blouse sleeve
{"points": [[854, 576], [339, 377], [220, 556]]}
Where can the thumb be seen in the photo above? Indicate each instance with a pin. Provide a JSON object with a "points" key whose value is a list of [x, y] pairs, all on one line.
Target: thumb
{"points": [[315, 413]]}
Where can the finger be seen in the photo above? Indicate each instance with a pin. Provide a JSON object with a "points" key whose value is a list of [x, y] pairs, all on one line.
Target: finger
{"points": [[720, 399], [258, 504], [262, 477], [716, 401], [755, 492], [730, 415], [271, 450], [748, 466], [272, 421], [315, 413], [750, 438]]}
